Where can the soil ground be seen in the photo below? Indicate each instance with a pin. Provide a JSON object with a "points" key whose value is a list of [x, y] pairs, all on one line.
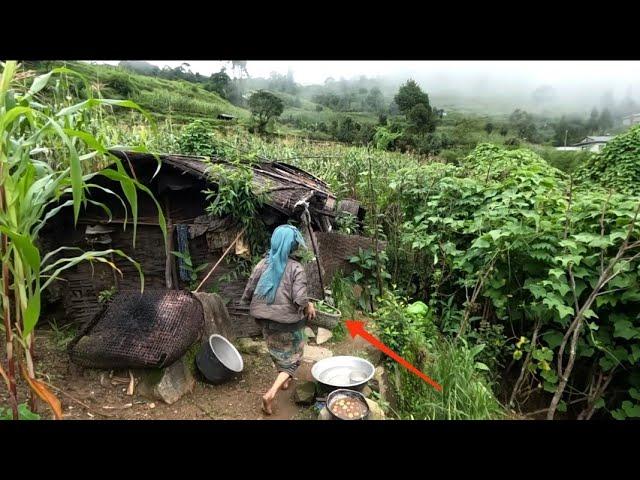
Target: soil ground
{"points": [[88, 394]]}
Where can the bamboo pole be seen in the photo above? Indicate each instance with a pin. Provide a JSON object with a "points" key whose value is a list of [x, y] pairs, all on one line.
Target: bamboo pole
{"points": [[220, 260]]}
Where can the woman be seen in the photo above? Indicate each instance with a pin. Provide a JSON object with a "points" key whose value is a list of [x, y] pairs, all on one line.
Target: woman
{"points": [[277, 290]]}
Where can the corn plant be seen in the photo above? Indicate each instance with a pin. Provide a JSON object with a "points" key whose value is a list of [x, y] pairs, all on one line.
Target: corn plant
{"points": [[46, 158]]}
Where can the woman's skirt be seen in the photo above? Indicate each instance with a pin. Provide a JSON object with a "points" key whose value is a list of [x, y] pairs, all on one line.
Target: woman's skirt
{"points": [[285, 348]]}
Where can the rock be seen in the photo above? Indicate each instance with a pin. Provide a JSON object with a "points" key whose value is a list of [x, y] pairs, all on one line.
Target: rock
{"points": [[366, 391], [313, 354], [216, 316], [309, 332], [324, 414], [168, 384], [379, 382], [305, 393], [252, 347], [375, 412], [323, 335]]}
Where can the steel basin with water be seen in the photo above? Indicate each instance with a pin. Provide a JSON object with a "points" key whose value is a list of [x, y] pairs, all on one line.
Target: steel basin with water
{"points": [[343, 371]]}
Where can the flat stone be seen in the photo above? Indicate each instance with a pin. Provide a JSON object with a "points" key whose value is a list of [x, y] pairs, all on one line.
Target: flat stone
{"points": [[305, 393], [309, 332], [167, 384], [323, 335], [375, 412], [216, 316], [379, 382], [313, 354], [251, 346], [324, 414]]}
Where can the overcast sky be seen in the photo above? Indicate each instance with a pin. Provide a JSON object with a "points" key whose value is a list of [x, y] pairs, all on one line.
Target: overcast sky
{"points": [[538, 72]]}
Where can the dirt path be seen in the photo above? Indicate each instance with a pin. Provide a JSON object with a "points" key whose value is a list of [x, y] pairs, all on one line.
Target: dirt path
{"points": [[99, 395]]}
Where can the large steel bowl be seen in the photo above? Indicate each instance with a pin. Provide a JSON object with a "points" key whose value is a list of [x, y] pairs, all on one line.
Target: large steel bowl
{"points": [[343, 371]]}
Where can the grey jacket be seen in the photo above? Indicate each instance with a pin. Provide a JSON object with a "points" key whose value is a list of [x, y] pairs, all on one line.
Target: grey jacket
{"points": [[291, 295]]}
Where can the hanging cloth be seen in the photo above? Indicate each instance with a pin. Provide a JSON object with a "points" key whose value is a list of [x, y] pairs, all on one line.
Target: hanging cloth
{"points": [[183, 247]]}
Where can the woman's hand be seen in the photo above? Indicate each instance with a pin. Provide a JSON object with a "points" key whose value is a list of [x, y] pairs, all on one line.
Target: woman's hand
{"points": [[310, 311]]}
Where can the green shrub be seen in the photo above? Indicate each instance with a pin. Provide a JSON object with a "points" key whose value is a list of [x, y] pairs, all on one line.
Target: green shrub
{"points": [[618, 165], [196, 139]]}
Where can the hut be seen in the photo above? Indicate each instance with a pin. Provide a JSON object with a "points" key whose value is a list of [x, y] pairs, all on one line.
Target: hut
{"points": [[179, 184]]}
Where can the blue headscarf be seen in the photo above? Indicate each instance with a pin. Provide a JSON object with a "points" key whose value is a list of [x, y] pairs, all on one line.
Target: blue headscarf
{"points": [[284, 240]]}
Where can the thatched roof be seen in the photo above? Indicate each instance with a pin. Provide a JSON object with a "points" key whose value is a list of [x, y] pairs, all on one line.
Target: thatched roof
{"points": [[283, 184]]}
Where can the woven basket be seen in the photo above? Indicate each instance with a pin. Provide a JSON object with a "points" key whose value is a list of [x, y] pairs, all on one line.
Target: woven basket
{"points": [[326, 320]]}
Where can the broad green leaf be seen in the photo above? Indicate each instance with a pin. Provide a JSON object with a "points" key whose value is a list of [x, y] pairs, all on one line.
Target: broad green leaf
{"points": [[25, 247], [480, 243], [625, 329], [32, 313], [631, 410], [39, 83], [481, 366]]}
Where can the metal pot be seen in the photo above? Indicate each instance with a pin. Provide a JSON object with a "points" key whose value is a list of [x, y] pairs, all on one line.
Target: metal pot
{"points": [[342, 372], [218, 360], [348, 393]]}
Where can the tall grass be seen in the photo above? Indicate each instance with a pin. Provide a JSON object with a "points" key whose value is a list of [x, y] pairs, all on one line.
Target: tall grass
{"points": [[466, 394]]}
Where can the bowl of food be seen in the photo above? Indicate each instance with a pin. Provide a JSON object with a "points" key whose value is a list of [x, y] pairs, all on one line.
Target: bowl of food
{"points": [[343, 371], [345, 404]]}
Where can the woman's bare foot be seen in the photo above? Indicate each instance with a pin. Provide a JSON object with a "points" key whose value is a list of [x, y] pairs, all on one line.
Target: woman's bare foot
{"points": [[267, 400], [286, 384]]}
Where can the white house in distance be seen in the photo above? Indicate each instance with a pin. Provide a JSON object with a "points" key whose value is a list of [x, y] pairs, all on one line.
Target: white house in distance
{"points": [[593, 143], [632, 119]]}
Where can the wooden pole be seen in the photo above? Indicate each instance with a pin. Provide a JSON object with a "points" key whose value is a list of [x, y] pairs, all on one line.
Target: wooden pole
{"points": [[169, 256], [220, 259], [315, 250]]}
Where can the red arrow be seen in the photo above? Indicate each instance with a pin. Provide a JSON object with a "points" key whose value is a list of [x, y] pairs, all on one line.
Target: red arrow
{"points": [[356, 327]]}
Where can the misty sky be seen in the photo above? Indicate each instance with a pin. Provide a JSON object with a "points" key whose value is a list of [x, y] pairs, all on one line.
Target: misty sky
{"points": [[535, 72]]}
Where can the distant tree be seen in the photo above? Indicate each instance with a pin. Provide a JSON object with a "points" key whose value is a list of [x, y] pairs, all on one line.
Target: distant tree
{"points": [[347, 130], [409, 95], [488, 128], [570, 129], [220, 83], [240, 66], [144, 68], [282, 83], [264, 106], [593, 124], [523, 124], [504, 130], [291, 86], [628, 106], [605, 121], [375, 100], [594, 121], [420, 117], [464, 132]]}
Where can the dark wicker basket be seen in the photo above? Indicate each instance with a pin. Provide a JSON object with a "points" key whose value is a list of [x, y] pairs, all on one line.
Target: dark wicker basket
{"points": [[148, 330]]}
